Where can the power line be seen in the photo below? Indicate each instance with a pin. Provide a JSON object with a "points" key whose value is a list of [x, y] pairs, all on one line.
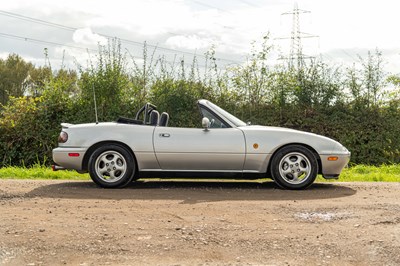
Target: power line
{"points": [[210, 6], [346, 53], [327, 55], [27, 39], [35, 20], [37, 41], [249, 3], [132, 42], [219, 9]]}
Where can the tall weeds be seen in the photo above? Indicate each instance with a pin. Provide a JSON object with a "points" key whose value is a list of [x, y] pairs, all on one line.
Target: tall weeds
{"points": [[347, 104]]}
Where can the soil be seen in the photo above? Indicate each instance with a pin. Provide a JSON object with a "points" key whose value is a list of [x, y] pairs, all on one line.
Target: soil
{"points": [[198, 223]]}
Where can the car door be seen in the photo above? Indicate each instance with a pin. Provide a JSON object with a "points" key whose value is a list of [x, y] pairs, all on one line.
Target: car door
{"points": [[197, 149]]}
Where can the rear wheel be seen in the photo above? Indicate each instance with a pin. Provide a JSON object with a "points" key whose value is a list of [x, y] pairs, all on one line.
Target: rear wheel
{"points": [[294, 167], [112, 166]]}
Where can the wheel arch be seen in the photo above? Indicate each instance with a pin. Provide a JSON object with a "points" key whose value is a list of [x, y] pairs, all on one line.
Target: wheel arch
{"points": [[299, 144], [89, 152]]}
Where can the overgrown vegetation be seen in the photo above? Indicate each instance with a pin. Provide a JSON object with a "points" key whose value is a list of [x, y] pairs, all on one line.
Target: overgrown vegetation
{"points": [[350, 105]]}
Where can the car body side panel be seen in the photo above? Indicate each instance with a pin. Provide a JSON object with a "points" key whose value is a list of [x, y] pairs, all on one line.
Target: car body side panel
{"points": [[85, 135], [263, 141], [61, 157], [256, 162], [196, 149], [137, 137], [146, 161], [333, 168]]}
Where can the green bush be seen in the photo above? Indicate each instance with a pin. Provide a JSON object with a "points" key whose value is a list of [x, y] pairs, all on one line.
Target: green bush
{"points": [[24, 138], [348, 105]]}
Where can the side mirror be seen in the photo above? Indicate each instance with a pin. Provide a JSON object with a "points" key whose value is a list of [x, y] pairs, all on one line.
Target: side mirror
{"points": [[205, 123]]}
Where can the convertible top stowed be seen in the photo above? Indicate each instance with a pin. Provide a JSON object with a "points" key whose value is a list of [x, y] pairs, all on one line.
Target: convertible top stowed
{"points": [[117, 153]]}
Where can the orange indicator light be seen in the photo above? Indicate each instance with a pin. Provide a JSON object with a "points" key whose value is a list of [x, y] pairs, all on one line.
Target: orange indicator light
{"points": [[333, 158]]}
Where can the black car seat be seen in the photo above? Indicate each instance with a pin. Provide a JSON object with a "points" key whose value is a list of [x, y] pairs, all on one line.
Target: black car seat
{"points": [[164, 119], [154, 118]]}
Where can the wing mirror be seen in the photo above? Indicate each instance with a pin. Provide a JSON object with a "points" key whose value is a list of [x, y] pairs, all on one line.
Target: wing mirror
{"points": [[205, 122]]}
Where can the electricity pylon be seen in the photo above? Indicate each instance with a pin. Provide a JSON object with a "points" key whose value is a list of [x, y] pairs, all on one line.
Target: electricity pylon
{"points": [[296, 57]]}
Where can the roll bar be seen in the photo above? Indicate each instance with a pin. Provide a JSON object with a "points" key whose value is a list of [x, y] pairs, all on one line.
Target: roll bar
{"points": [[146, 110]]}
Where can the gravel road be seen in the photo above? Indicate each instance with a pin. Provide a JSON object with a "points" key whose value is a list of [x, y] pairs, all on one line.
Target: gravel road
{"points": [[198, 223]]}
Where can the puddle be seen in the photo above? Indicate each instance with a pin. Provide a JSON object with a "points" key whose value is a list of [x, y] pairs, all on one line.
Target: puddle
{"points": [[320, 216], [6, 255]]}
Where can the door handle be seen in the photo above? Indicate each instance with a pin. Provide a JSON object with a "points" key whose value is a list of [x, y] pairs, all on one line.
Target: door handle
{"points": [[164, 135]]}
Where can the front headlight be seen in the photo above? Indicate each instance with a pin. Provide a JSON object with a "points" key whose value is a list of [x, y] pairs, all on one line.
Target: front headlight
{"points": [[63, 137], [340, 148], [344, 148]]}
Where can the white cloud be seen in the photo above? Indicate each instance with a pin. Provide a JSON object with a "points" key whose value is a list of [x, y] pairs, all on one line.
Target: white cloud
{"points": [[87, 37], [191, 42], [230, 25], [4, 55]]}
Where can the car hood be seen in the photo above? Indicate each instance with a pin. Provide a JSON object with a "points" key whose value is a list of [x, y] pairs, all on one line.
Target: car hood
{"points": [[280, 130], [275, 137]]}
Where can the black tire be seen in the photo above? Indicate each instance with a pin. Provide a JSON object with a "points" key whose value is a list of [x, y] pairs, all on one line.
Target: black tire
{"points": [[112, 166], [294, 167]]}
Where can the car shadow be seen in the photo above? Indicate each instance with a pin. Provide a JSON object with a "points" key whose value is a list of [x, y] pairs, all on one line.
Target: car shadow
{"points": [[190, 191]]}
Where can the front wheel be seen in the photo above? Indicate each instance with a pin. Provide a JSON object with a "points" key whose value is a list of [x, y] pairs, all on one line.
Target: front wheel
{"points": [[112, 166], [294, 167]]}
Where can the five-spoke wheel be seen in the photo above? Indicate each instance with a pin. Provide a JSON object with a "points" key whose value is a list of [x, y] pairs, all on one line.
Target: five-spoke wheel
{"points": [[294, 167], [112, 166]]}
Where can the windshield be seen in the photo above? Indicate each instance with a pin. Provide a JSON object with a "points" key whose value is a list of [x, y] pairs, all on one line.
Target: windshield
{"points": [[233, 119]]}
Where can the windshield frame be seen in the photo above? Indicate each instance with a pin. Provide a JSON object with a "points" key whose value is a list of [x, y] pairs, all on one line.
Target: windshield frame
{"points": [[228, 117]]}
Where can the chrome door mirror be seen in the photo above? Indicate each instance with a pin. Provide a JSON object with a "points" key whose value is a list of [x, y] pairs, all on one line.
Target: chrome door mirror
{"points": [[205, 122]]}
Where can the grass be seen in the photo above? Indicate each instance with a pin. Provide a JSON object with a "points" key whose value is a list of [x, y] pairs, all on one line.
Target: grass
{"points": [[366, 173], [39, 172], [360, 173]]}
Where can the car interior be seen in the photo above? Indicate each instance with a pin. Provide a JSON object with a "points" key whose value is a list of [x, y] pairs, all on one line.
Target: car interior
{"points": [[150, 116]]}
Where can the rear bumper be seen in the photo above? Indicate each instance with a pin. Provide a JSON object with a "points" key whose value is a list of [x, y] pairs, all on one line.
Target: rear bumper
{"points": [[332, 169], [67, 157]]}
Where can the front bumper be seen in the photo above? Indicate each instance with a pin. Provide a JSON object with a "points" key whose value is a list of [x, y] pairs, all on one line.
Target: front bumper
{"points": [[332, 169], [69, 158]]}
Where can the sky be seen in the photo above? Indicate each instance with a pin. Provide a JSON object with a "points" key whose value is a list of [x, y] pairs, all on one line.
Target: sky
{"points": [[179, 29]]}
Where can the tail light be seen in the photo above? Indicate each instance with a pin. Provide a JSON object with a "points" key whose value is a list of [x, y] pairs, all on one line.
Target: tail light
{"points": [[63, 137]]}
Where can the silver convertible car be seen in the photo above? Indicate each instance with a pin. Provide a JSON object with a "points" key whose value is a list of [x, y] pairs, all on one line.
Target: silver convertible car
{"points": [[117, 153]]}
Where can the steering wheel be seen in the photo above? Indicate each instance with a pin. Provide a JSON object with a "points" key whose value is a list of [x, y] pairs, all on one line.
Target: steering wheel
{"points": [[212, 122]]}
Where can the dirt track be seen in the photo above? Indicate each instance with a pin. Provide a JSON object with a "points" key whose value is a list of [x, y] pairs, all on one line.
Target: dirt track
{"points": [[202, 223]]}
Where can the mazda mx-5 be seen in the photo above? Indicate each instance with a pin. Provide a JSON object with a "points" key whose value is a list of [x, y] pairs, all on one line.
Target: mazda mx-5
{"points": [[117, 153]]}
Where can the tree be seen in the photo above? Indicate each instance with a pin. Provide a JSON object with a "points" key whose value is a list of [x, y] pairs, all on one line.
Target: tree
{"points": [[254, 79], [13, 71], [373, 77]]}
